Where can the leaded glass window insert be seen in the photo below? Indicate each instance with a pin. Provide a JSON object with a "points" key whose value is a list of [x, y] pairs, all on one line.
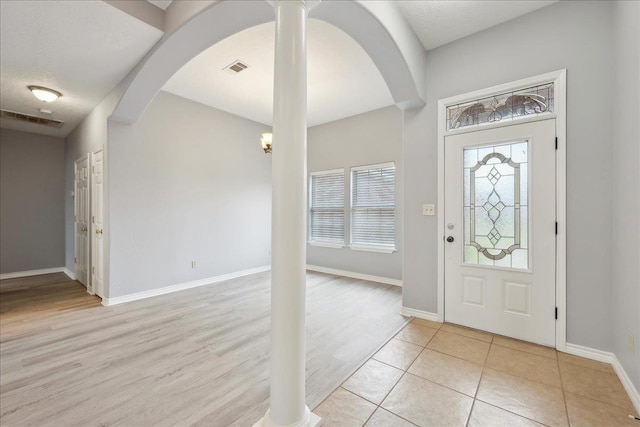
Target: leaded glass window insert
{"points": [[496, 205], [503, 107]]}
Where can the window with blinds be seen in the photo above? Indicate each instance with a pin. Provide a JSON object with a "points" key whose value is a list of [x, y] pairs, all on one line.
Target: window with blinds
{"points": [[326, 207], [373, 205]]}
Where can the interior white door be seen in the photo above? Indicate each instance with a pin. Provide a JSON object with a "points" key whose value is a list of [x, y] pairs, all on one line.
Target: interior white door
{"points": [[81, 215], [97, 223], [500, 230]]}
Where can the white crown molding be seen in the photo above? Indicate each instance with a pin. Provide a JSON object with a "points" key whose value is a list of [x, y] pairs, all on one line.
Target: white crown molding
{"points": [[182, 286], [406, 311], [354, 275], [31, 273]]}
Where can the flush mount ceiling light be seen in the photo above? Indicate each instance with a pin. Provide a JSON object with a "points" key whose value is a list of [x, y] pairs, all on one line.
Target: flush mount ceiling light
{"points": [[44, 93]]}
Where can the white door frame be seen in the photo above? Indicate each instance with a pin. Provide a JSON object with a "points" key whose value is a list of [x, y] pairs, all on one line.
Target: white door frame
{"points": [[92, 225], [559, 78]]}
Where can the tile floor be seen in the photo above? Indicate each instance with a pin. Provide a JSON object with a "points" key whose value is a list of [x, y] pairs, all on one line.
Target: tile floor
{"points": [[433, 374]]}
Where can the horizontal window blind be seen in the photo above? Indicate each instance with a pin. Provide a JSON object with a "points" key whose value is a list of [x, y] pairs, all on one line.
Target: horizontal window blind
{"points": [[326, 219], [373, 206]]}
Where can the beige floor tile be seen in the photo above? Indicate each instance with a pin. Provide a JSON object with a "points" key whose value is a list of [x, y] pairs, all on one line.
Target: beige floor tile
{"points": [[467, 332], [529, 399], [587, 363], [449, 371], [344, 409], [427, 404], [382, 418], [398, 353], [485, 415], [586, 412], [429, 323], [525, 365], [373, 381], [456, 345], [538, 350], [596, 385], [416, 334]]}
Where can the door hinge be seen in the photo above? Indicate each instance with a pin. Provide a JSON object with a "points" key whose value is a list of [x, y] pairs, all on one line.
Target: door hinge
{"points": [[93, 168], [93, 271], [556, 142], [556, 313], [556, 228], [75, 260], [93, 219]]}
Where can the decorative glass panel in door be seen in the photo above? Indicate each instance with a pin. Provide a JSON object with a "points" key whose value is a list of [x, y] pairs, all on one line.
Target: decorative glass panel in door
{"points": [[495, 205]]}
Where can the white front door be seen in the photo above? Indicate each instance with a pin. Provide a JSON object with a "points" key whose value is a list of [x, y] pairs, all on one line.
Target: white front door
{"points": [[97, 239], [81, 209], [500, 226]]}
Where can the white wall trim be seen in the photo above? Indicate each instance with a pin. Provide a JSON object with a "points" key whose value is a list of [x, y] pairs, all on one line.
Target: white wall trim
{"points": [[406, 311], [354, 275], [633, 393], [69, 273], [28, 273], [182, 286], [589, 353], [608, 357], [559, 78]]}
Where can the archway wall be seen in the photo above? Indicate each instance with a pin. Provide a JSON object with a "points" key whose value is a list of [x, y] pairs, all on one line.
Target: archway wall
{"points": [[377, 26]]}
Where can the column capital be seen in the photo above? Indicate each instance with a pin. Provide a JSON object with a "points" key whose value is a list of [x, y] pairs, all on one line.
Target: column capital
{"points": [[308, 4]]}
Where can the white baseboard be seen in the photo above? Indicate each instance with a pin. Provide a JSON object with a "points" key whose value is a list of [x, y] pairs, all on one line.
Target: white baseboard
{"points": [[31, 273], [608, 357], [406, 311], [354, 275], [627, 384], [589, 353], [69, 273], [182, 286]]}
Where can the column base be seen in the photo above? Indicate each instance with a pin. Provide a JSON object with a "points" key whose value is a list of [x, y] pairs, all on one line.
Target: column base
{"points": [[310, 420]]}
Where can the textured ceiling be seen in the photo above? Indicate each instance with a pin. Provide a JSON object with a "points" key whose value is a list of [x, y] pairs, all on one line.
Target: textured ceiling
{"points": [[80, 48], [439, 22], [342, 79]]}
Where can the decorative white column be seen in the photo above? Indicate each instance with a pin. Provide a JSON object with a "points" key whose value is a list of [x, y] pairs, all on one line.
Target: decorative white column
{"points": [[289, 219]]}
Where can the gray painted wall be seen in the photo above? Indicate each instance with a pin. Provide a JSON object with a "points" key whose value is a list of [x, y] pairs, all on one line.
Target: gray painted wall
{"points": [[369, 138], [572, 35], [626, 187], [187, 182], [31, 201]]}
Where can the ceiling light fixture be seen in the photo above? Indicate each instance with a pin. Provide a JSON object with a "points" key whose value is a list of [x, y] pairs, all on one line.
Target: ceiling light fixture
{"points": [[266, 139], [44, 93]]}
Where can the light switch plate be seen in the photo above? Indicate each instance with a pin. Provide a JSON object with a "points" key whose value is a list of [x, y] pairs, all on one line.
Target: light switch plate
{"points": [[428, 209]]}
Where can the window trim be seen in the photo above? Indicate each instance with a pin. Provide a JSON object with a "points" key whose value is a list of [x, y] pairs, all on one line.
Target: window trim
{"points": [[372, 247], [323, 243]]}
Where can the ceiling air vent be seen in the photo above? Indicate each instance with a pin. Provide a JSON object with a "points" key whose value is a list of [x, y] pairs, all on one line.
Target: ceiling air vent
{"points": [[4, 114], [236, 66]]}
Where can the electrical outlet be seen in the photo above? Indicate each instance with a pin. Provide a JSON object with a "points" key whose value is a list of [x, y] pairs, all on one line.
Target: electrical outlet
{"points": [[193, 264], [632, 344], [428, 209]]}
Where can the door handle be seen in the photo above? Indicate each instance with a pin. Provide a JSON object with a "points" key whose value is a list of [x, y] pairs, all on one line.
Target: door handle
{"points": [[450, 239], [99, 231], [83, 229]]}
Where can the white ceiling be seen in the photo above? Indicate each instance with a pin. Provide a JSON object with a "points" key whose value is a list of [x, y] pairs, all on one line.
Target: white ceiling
{"points": [[440, 22], [342, 78], [85, 48], [80, 48]]}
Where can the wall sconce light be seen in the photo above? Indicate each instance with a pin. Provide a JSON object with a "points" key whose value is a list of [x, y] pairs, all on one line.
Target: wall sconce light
{"points": [[266, 140], [44, 93]]}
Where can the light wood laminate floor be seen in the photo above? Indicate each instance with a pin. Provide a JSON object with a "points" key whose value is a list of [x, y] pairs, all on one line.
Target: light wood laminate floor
{"points": [[196, 357]]}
